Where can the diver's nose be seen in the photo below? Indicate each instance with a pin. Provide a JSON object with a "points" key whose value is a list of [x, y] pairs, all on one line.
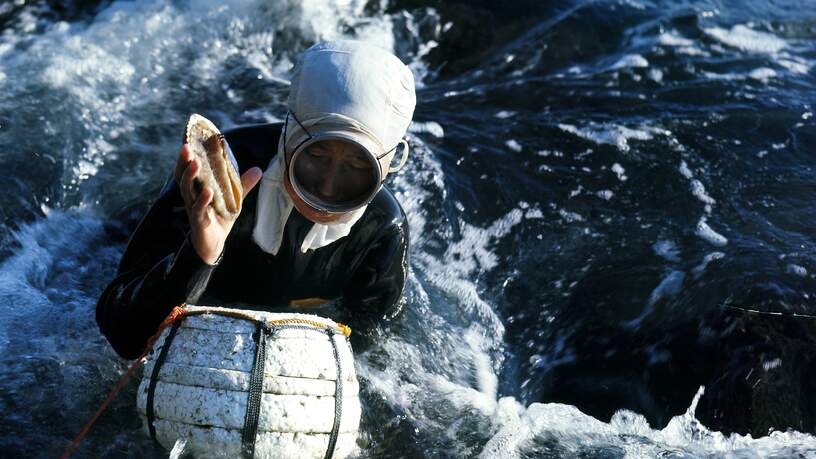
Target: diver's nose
{"points": [[328, 182]]}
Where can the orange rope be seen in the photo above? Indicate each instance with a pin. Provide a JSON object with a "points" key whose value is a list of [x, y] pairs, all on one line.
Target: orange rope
{"points": [[177, 313]]}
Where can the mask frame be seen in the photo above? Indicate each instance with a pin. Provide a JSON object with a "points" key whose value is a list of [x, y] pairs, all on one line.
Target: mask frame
{"points": [[327, 207]]}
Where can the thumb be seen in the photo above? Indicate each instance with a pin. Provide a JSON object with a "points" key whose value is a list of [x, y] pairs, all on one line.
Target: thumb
{"points": [[250, 179]]}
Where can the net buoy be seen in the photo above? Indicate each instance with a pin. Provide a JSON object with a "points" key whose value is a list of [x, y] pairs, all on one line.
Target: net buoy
{"points": [[238, 383]]}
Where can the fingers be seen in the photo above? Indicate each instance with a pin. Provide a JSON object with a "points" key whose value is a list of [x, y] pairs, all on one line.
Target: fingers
{"points": [[186, 186], [182, 162], [250, 179], [199, 211]]}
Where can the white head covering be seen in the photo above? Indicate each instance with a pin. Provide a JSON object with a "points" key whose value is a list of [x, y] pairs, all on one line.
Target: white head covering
{"points": [[345, 89]]}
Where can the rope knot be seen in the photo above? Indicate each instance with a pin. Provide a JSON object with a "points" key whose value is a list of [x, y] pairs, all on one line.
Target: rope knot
{"points": [[345, 329], [174, 315]]}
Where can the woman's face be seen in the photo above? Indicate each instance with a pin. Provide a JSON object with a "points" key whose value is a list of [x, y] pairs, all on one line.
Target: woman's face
{"points": [[334, 171]]}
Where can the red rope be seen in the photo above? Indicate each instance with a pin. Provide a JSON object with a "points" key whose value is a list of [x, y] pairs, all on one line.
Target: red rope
{"points": [[177, 313]]}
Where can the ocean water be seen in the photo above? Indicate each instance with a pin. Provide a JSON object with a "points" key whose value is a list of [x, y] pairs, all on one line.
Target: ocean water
{"points": [[606, 201]]}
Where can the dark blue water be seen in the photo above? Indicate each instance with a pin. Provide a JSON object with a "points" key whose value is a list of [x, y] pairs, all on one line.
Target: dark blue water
{"points": [[597, 193]]}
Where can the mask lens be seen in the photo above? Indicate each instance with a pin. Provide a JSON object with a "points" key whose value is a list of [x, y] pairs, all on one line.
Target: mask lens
{"points": [[334, 175]]}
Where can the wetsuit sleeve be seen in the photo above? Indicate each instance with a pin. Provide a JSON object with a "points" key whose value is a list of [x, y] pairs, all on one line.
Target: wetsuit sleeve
{"points": [[375, 291], [160, 269]]}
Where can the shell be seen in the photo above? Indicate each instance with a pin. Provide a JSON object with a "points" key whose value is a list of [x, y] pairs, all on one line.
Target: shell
{"points": [[218, 171]]}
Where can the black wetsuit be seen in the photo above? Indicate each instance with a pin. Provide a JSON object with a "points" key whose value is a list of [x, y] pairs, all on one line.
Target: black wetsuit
{"points": [[160, 269]]}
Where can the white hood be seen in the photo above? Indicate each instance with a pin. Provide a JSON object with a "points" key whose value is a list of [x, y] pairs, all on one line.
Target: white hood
{"points": [[349, 86]]}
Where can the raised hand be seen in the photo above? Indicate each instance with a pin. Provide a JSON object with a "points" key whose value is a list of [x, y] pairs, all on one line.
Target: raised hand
{"points": [[208, 230]]}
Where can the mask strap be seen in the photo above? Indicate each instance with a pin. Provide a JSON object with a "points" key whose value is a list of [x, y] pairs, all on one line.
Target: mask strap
{"points": [[285, 125], [404, 158]]}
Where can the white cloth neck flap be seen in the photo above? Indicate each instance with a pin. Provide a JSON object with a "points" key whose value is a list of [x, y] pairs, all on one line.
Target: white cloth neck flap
{"points": [[274, 208]]}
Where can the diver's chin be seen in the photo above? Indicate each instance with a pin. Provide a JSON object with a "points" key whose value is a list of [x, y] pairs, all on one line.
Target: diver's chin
{"points": [[311, 214], [316, 216]]}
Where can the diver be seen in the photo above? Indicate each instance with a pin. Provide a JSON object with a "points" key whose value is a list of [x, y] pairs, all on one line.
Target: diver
{"points": [[320, 226]]}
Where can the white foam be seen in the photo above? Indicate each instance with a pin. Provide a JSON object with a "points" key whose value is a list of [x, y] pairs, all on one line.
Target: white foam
{"points": [[620, 172], [762, 74], [709, 235], [797, 270], [576, 433], [605, 194], [630, 61], [699, 191], [570, 217], [697, 188], [723, 76], [667, 249], [684, 170], [430, 127], [423, 39], [692, 51], [681, 45], [612, 134], [669, 286], [769, 365], [747, 39], [513, 145], [445, 372], [699, 269], [673, 38], [795, 64], [452, 271]]}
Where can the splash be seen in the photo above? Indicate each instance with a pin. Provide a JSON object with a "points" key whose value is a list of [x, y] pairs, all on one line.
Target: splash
{"points": [[134, 64], [578, 434], [56, 364], [449, 363]]}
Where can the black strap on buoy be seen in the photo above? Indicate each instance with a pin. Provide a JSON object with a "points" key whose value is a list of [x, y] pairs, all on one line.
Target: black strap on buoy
{"points": [[338, 397], [253, 407], [254, 398], [154, 379]]}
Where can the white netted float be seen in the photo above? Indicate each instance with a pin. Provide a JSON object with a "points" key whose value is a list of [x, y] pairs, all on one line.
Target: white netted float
{"points": [[237, 383]]}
